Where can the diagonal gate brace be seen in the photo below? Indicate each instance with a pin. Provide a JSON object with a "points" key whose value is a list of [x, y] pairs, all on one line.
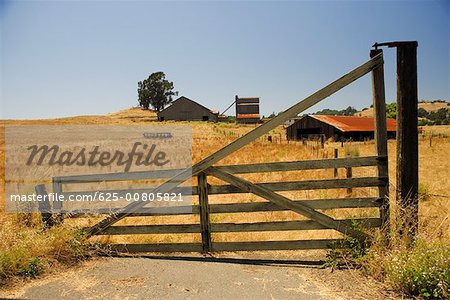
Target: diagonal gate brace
{"points": [[282, 201]]}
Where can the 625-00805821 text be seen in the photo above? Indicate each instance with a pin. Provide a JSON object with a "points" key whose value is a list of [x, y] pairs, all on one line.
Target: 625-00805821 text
{"points": [[101, 196]]}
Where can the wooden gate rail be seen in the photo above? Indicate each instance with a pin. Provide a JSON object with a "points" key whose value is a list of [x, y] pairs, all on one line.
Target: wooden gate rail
{"points": [[235, 169], [274, 186], [323, 204], [227, 246], [232, 227]]}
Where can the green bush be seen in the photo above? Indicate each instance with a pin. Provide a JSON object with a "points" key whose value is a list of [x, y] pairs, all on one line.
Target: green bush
{"points": [[349, 251], [420, 270], [423, 270]]}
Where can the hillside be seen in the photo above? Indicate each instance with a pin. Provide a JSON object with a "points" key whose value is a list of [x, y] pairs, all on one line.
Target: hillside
{"points": [[125, 116], [428, 106]]}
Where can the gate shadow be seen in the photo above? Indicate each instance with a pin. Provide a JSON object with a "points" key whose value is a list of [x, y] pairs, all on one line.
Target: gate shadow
{"points": [[228, 260]]}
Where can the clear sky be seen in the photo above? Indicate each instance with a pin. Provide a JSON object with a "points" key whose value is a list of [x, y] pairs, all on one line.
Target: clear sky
{"points": [[72, 58]]}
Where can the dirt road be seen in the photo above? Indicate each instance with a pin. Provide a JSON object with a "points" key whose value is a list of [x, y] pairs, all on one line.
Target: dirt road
{"points": [[197, 277]]}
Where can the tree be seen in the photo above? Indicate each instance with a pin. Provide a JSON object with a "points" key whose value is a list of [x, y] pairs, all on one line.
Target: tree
{"points": [[349, 111], [391, 110], [422, 113], [155, 91]]}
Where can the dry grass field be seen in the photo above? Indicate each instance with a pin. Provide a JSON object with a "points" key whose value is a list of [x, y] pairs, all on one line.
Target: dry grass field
{"points": [[434, 174]]}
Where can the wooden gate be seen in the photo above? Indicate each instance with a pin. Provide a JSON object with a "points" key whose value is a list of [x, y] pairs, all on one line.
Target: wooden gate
{"points": [[268, 190]]}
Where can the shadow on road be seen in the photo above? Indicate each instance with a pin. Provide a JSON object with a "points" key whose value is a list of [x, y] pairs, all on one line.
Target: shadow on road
{"points": [[240, 261]]}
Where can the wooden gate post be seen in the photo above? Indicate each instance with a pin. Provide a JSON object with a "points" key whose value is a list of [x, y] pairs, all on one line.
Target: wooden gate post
{"points": [[379, 106], [407, 135], [44, 206], [57, 203], [204, 212]]}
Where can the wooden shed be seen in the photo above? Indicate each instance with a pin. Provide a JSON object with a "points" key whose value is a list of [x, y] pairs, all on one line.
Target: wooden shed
{"points": [[336, 128], [247, 110], [185, 109]]}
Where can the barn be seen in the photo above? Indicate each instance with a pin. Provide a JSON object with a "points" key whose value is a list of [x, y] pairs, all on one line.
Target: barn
{"points": [[336, 128], [247, 110], [185, 109]]}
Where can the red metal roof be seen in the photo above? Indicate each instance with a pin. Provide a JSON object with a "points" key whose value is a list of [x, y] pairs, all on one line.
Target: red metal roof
{"points": [[347, 123], [247, 116]]}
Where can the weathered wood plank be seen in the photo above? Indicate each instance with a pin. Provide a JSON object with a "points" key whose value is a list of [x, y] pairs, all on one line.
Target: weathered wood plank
{"points": [[151, 229], [234, 169], [248, 138], [204, 211], [305, 185], [120, 176], [285, 225], [407, 138], [57, 205], [303, 165], [172, 247], [275, 186], [229, 227], [239, 207], [315, 204], [184, 190], [145, 211], [379, 110], [275, 245], [44, 206], [298, 207]]}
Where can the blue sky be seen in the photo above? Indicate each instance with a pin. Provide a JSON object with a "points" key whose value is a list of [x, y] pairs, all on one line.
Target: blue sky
{"points": [[80, 57]]}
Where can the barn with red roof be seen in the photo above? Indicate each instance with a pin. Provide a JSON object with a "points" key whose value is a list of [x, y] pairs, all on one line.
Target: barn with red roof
{"points": [[336, 128]]}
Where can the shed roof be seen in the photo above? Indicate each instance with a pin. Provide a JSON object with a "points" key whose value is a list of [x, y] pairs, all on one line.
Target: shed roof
{"points": [[192, 101], [348, 123]]}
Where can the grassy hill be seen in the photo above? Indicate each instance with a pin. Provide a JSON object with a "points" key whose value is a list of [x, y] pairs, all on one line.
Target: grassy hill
{"points": [[428, 106], [125, 116]]}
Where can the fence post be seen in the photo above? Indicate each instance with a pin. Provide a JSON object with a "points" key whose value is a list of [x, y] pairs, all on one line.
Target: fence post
{"points": [[204, 212], [379, 107], [349, 174], [44, 206], [336, 155], [407, 139], [57, 204]]}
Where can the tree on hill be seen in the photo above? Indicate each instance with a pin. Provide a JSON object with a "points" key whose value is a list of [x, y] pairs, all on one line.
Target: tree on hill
{"points": [[349, 111], [422, 113], [155, 91]]}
